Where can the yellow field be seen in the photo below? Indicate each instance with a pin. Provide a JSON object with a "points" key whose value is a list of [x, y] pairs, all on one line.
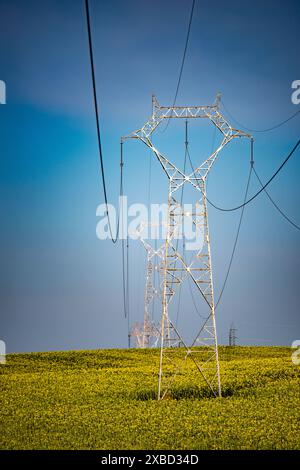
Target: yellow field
{"points": [[106, 400]]}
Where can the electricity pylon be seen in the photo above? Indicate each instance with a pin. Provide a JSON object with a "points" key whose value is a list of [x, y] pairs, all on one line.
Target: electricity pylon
{"points": [[232, 335], [177, 267], [154, 271], [139, 331]]}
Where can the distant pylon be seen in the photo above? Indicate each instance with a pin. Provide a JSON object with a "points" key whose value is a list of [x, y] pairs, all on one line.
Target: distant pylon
{"points": [[232, 335], [197, 266], [153, 291]]}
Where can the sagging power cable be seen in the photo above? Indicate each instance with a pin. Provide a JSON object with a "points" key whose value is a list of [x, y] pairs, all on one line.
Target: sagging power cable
{"points": [[125, 259], [127, 290], [183, 60], [239, 225], [236, 239], [261, 190], [113, 238], [183, 242], [274, 203], [186, 143], [276, 126]]}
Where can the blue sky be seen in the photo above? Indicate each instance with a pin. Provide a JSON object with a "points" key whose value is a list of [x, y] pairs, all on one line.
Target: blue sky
{"points": [[60, 286]]}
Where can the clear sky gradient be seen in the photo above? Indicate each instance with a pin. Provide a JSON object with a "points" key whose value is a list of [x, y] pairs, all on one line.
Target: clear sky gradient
{"points": [[60, 286]]}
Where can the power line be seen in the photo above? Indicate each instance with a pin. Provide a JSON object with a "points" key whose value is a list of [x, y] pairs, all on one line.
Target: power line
{"points": [[182, 218], [125, 282], [192, 167], [124, 273], [155, 280], [238, 229], [213, 139], [242, 206], [184, 52], [193, 299], [113, 239], [183, 59], [276, 126], [274, 203], [125, 263], [127, 290], [262, 189], [125, 277], [149, 177], [236, 239]]}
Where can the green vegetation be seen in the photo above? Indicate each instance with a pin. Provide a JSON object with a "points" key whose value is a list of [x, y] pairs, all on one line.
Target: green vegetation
{"points": [[105, 400]]}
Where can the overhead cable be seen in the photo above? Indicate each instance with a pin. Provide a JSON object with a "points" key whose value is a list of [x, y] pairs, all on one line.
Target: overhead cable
{"points": [[262, 189], [268, 129], [113, 238], [183, 59], [274, 203]]}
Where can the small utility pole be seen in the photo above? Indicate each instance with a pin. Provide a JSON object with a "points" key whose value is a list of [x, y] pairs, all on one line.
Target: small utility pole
{"points": [[232, 335], [129, 340]]}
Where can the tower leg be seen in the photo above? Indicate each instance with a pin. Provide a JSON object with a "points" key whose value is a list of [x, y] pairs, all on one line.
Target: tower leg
{"points": [[203, 350], [164, 318], [212, 290]]}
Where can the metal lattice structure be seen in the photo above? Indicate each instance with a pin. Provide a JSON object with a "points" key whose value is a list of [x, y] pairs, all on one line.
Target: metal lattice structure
{"points": [[232, 337], [140, 330], [149, 332], [199, 267]]}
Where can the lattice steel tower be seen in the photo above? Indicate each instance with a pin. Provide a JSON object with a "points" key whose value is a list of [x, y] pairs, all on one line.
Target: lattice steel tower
{"points": [[177, 267], [232, 337], [148, 334]]}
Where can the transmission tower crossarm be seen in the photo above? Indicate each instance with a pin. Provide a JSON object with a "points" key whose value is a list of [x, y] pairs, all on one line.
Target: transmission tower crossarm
{"points": [[210, 112], [159, 113]]}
